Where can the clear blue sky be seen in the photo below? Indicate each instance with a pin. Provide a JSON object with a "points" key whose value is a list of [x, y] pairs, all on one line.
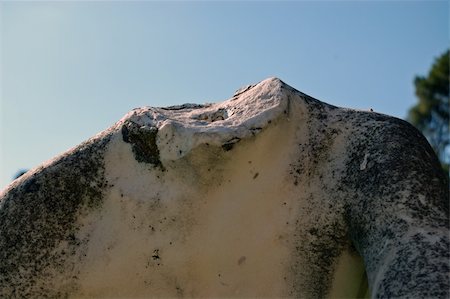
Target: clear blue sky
{"points": [[71, 69]]}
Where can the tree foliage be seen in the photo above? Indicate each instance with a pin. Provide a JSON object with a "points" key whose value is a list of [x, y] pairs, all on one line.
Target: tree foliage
{"points": [[431, 113]]}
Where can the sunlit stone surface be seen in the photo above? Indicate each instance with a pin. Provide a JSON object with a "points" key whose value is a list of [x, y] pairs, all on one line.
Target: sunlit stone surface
{"points": [[268, 194]]}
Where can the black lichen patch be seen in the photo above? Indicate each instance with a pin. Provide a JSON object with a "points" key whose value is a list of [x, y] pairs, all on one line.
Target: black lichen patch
{"points": [[318, 244], [316, 152], [143, 143], [388, 173], [38, 231], [400, 177], [431, 261], [319, 248]]}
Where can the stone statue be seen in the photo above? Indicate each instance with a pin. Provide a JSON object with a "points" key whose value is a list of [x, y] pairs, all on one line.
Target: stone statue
{"points": [[269, 194]]}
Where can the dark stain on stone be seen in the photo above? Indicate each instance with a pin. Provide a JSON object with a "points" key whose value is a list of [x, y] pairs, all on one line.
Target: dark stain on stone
{"points": [[230, 144], [256, 175], [227, 146], [242, 90], [255, 130], [143, 143], [313, 231], [220, 114], [184, 107], [322, 252], [156, 255], [241, 260], [180, 292], [401, 166], [38, 217]]}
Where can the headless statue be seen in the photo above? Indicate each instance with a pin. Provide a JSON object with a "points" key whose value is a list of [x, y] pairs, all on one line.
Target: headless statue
{"points": [[269, 194]]}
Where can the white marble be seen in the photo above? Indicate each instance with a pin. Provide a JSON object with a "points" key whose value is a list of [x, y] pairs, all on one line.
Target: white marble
{"points": [[268, 194]]}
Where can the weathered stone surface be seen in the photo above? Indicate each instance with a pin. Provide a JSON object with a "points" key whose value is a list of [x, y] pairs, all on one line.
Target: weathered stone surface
{"points": [[269, 194]]}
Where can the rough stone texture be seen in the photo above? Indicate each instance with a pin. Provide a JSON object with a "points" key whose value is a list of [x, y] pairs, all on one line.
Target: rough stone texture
{"points": [[269, 194], [39, 246]]}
